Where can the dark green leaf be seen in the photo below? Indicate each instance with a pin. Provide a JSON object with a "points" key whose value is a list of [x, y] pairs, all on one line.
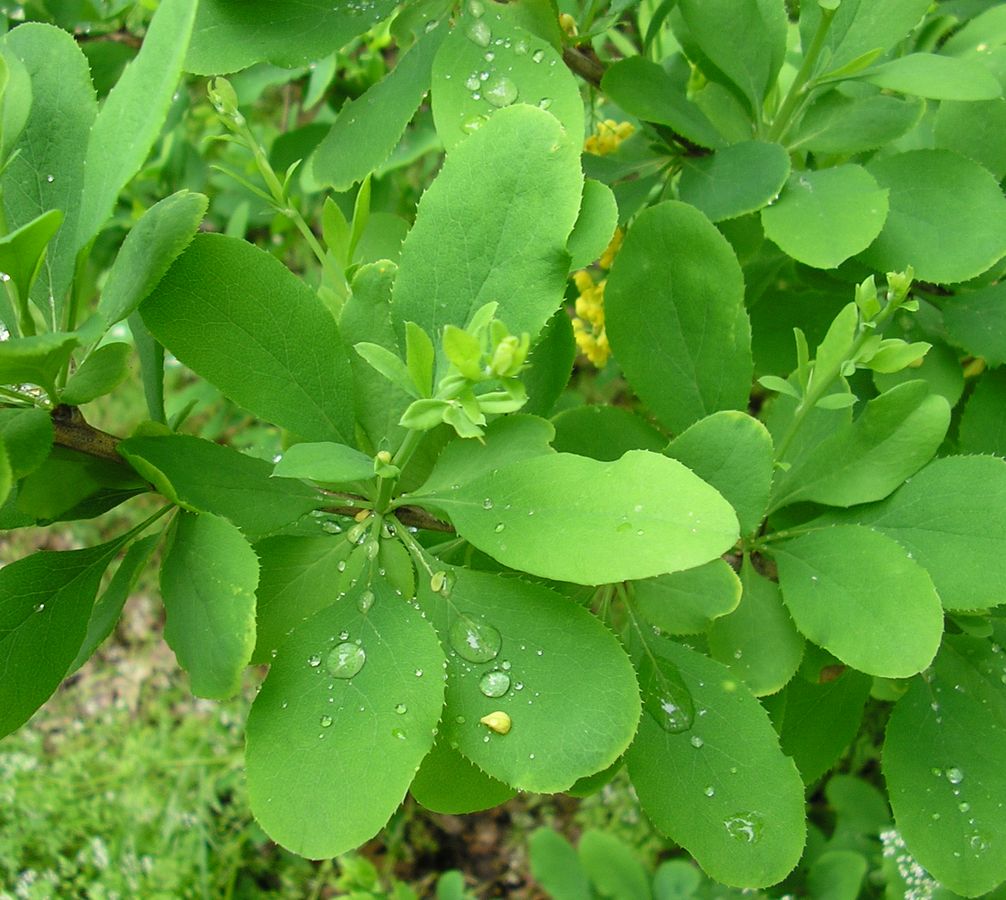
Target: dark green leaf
{"points": [[983, 423], [35, 360], [23, 250], [448, 783], [604, 432], [976, 321], [612, 867], [595, 224], [556, 867], [105, 369], [835, 123], [735, 180], [325, 462], [27, 438], [688, 602], [936, 77]]}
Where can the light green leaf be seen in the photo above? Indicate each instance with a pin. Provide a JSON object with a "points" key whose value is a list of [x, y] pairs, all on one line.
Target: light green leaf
{"points": [[595, 224], [837, 875], [325, 462], [45, 603], [27, 438], [674, 308], [743, 39], [517, 634], [896, 434], [942, 753], [641, 515], [935, 77], [604, 432], [48, 172], [133, 114], [688, 602], [644, 89], [823, 217], [105, 369], [35, 360], [549, 365], [888, 623], [490, 61], [240, 319], [369, 127], [973, 130], [556, 867], [732, 452], [226, 38], [206, 477], [208, 581], [16, 101], [23, 250], [388, 364], [313, 734], [735, 180], [835, 123], [448, 783], [950, 517], [758, 640], [723, 789], [6, 474], [983, 422], [152, 244], [967, 236], [613, 868], [493, 227], [298, 577], [976, 322], [818, 721]]}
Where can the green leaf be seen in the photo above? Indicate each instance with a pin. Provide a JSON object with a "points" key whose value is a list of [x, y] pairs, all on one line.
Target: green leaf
{"points": [[896, 434], [6, 474], [749, 830], [983, 422], [490, 61], [743, 39], [837, 875], [674, 313], [688, 602], [108, 607], [27, 438], [205, 477], [818, 721], [595, 225], [967, 236], [612, 867], [732, 452], [493, 227], [448, 783], [22, 251], [944, 742], [300, 576], [758, 640], [35, 360], [226, 38], [325, 462], [240, 319], [520, 634], [556, 867], [976, 322], [313, 734], [935, 77], [105, 369], [152, 244], [973, 129], [132, 115], [735, 180], [549, 365], [949, 516], [644, 89], [420, 358], [370, 127], [641, 515], [208, 581], [48, 171], [823, 217], [16, 100], [45, 603], [604, 432], [888, 623], [835, 123], [940, 369]]}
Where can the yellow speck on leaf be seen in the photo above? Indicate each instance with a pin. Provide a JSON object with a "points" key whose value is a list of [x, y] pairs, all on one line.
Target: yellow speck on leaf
{"points": [[497, 721]]}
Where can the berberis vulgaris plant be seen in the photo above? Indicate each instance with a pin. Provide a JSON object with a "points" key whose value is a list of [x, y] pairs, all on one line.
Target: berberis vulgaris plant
{"points": [[784, 538]]}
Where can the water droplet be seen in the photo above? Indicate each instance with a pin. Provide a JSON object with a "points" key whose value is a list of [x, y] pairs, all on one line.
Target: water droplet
{"points": [[710, 791], [964, 806], [744, 826], [418, 673], [479, 33], [696, 741], [954, 775], [371, 549], [538, 55], [325, 721], [39, 607], [494, 684], [401, 709], [476, 8], [460, 720], [623, 527], [332, 528], [505, 665], [341, 565], [314, 661], [665, 696], [489, 56], [520, 48], [499, 527], [475, 641], [365, 602], [346, 660], [472, 83], [398, 733], [487, 503], [50, 178]]}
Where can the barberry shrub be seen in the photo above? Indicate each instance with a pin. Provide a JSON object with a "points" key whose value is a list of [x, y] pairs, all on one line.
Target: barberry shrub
{"points": [[785, 538]]}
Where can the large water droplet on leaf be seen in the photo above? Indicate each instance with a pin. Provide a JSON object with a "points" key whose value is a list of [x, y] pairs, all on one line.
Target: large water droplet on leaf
{"points": [[954, 775], [365, 602], [494, 684], [346, 659], [476, 641], [479, 33], [501, 92], [744, 826], [665, 696], [325, 721]]}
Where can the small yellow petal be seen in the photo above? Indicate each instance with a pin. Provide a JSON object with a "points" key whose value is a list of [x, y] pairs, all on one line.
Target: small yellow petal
{"points": [[497, 721]]}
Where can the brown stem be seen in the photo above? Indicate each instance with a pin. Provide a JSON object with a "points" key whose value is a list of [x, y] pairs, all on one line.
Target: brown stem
{"points": [[585, 64], [71, 430], [410, 516]]}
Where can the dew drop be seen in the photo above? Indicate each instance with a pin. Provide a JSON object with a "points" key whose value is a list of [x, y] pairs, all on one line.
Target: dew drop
{"points": [[39, 607], [314, 661], [710, 791], [501, 92], [494, 684], [472, 83], [342, 565], [964, 806], [325, 721], [487, 503], [696, 741], [954, 775], [50, 178], [398, 733], [365, 602], [499, 527], [418, 673], [346, 659], [538, 55], [475, 641], [744, 826], [479, 33], [401, 709]]}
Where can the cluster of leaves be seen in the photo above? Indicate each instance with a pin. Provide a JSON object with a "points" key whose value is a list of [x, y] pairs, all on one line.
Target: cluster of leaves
{"points": [[439, 570]]}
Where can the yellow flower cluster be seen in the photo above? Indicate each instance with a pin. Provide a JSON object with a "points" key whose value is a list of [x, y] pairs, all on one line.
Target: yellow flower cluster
{"points": [[588, 324], [607, 136]]}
